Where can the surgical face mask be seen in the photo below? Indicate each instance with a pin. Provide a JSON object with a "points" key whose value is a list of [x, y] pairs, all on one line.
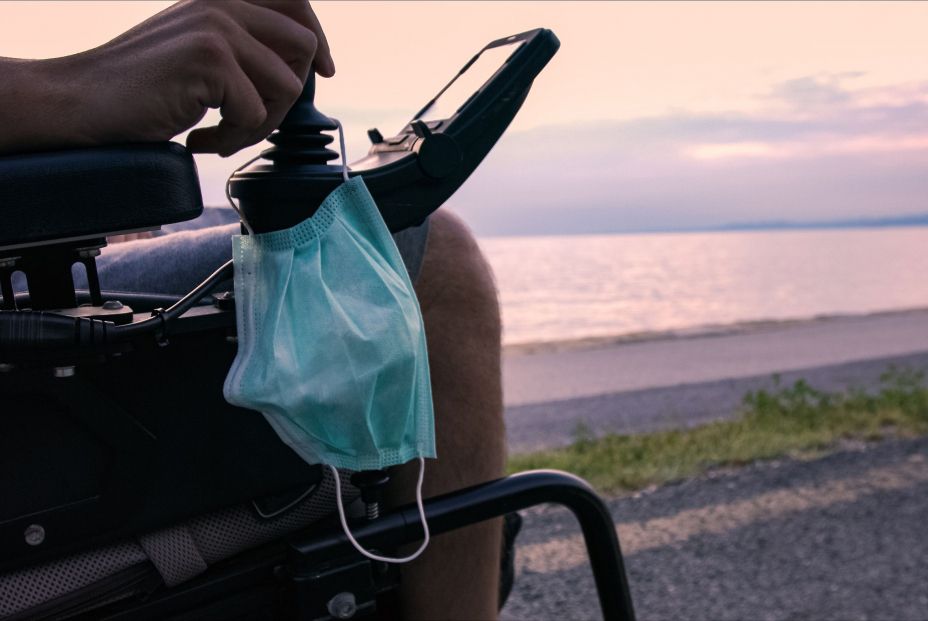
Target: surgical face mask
{"points": [[331, 343]]}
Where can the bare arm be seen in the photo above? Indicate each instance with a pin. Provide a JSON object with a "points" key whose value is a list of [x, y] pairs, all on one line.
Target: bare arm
{"points": [[249, 58]]}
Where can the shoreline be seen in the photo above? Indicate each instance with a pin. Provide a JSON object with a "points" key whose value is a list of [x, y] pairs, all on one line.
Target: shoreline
{"points": [[702, 331], [680, 380]]}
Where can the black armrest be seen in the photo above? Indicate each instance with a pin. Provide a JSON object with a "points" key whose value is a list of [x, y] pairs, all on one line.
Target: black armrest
{"points": [[85, 193]]}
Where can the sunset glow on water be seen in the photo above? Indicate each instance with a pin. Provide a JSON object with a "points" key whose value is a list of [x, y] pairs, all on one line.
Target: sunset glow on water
{"points": [[572, 287]]}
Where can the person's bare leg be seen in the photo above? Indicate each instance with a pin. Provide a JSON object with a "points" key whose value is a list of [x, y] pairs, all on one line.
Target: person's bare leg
{"points": [[458, 575]]}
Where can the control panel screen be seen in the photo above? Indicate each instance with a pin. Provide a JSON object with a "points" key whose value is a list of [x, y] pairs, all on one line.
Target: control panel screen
{"points": [[469, 82]]}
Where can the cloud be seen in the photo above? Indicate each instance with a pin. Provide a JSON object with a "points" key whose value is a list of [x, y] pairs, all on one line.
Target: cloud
{"points": [[816, 150], [814, 90]]}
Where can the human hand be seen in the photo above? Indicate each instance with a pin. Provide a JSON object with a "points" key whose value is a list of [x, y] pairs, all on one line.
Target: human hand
{"points": [[249, 58]]}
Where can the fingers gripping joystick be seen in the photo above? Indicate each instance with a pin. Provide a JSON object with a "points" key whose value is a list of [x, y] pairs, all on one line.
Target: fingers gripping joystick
{"points": [[290, 180]]}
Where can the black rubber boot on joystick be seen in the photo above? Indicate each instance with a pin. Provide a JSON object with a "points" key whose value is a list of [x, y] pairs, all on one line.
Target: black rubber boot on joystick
{"points": [[299, 139], [294, 176]]}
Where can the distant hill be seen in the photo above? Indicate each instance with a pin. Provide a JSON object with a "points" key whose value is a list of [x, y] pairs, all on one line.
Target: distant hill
{"points": [[920, 219], [910, 220]]}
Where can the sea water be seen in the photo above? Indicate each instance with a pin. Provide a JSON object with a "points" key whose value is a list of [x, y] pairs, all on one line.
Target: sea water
{"points": [[561, 288]]}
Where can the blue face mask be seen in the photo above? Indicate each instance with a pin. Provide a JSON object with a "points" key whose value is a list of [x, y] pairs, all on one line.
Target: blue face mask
{"points": [[331, 344]]}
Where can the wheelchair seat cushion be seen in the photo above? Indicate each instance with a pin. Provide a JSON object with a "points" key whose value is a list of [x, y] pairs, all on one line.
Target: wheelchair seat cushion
{"points": [[86, 193]]}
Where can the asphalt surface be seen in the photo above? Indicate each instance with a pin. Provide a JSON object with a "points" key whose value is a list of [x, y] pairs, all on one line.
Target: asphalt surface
{"points": [[838, 538], [674, 382]]}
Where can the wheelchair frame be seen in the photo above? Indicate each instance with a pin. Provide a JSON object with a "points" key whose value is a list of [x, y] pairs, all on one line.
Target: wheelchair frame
{"points": [[324, 569], [304, 576]]}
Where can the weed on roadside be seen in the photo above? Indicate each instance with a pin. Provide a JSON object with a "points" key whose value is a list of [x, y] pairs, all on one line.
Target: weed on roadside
{"points": [[791, 420]]}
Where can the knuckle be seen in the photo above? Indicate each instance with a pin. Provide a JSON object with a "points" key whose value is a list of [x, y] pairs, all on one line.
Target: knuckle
{"points": [[307, 43], [257, 114], [292, 88], [247, 122], [215, 18], [211, 48]]}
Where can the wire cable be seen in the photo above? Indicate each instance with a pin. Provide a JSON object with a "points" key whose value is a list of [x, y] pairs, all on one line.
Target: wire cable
{"points": [[178, 308]]}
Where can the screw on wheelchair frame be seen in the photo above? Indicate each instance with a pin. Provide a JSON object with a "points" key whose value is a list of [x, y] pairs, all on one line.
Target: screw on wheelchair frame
{"points": [[34, 534], [372, 484], [63, 372], [343, 605]]}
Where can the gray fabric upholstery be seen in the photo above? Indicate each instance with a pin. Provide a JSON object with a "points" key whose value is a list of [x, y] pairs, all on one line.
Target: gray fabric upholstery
{"points": [[174, 554], [179, 553]]}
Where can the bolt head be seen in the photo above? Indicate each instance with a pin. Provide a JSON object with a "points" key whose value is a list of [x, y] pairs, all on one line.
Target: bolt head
{"points": [[67, 371], [343, 606], [34, 535]]}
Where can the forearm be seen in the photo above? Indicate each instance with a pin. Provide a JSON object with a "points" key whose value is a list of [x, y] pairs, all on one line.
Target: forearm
{"points": [[249, 59], [42, 108]]}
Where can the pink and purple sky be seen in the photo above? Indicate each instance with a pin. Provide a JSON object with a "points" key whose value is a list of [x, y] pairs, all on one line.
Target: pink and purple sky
{"points": [[651, 116]]}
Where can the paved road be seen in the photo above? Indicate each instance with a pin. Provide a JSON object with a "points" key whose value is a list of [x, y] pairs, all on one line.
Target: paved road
{"points": [[643, 386], [839, 538]]}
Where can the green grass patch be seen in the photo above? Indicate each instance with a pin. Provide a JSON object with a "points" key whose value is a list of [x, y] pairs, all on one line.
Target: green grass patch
{"points": [[792, 420]]}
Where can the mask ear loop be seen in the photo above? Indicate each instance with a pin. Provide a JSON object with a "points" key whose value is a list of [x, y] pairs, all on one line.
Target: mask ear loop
{"points": [[354, 542], [241, 216], [338, 487], [341, 143]]}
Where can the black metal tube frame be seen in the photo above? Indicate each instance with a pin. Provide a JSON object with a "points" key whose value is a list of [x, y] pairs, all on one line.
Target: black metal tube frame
{"points": [[494, 499], [401, 526]]}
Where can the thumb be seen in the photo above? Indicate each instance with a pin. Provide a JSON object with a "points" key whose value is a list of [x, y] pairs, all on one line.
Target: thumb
{"points": [[223, 139]]}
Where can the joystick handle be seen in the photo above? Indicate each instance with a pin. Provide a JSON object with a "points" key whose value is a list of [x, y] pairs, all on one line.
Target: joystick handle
{"points": [[299, 139]]}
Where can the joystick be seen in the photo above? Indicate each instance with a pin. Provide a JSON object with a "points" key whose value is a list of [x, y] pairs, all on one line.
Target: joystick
{"points": [[299, 139], [294, 176]]}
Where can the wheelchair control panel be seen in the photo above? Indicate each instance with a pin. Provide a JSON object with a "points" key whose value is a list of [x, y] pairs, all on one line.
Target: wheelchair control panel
{"points": [[413, 172]]}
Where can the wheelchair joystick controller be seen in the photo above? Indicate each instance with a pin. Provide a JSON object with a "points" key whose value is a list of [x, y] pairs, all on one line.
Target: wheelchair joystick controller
{"points": [[294, 176], [299, 139]]}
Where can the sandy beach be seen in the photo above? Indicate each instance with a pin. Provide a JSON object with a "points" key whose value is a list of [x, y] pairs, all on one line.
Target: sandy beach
{"points": [[677, 380]]}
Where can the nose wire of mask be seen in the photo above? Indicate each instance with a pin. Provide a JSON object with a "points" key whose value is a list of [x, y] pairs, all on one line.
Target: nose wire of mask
{"points": [[338, 488], [354, 542]]}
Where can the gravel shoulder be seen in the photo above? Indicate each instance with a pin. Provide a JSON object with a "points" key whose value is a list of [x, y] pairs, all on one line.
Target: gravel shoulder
{"points": [[836, 538]]}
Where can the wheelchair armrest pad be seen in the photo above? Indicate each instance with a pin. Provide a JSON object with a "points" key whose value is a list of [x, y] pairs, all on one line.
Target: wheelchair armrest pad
{"points": [[65, 195]]}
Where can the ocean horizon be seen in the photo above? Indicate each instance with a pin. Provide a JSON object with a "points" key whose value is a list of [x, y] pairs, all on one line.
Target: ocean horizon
{"points": [[902, 222]]}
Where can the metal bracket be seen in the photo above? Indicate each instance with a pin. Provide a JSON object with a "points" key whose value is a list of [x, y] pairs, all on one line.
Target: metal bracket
{"points": [[343, 588]]}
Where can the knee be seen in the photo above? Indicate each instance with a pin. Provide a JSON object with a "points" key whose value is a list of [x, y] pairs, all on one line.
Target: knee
{"points": [[456, 287], [459, 303]]}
